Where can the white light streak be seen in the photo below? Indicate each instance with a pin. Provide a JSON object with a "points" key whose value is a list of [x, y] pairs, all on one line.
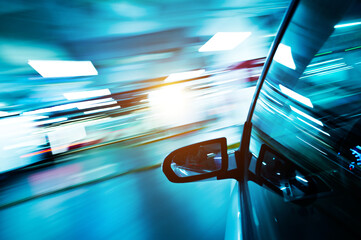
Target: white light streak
{"points": [[56, 68], [183, 171], [101, 110], [284, 56], [325, 68], [296, 96], [87, 94], [320, 63], [184, 75], [307, 116], [311, 145], [313, 126], [347, 25], [223, 41], [95, 103], [301, 179]]}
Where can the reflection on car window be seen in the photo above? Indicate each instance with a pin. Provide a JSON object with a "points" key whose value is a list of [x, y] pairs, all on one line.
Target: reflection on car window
{"points": [[314, 96], [309, 110]]}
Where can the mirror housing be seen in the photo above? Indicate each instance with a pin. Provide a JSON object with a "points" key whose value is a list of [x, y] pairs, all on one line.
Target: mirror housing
{"points": [[197, 162]]}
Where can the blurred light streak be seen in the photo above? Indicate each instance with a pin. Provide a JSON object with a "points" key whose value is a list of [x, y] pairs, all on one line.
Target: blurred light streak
{"points": [[20, 145], [4, 114], [82, 174], [284, 56], [223, 41], [301, 179], [52, 149], [324, 62], [328, 72], [272, 99], [311, 145], [87, 94], [314, 127], [347, 25], [353, 48], [95, 103], [184, 75], [56, 68], [54, 120], [296, 96], [101, 110], [307, 116], [326, 68], [183, 171], [324, 53]]}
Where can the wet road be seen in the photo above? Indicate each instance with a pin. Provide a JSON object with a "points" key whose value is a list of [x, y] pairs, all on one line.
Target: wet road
{"points": [[113, 192]]}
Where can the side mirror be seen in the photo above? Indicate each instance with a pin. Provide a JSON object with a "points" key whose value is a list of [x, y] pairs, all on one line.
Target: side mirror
{"points": [[197, 161], [286, 178]]}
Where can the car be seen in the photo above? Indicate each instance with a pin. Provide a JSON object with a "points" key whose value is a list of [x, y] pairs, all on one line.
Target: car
{"points": [[298, 167]]}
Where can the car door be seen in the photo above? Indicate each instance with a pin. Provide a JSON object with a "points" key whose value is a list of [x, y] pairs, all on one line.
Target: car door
{"points": [[309, 111]]}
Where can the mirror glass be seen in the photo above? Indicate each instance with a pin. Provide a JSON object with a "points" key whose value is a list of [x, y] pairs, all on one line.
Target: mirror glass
{"points": [[197, 159]]}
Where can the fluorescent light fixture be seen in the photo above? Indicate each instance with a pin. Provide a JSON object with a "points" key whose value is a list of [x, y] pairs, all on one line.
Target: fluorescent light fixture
{"points": [[101, 110], [347, 25], [307, 116], [184, 75], [223, 41], [56, 68], [86, 94], [296, 96], [284, 56]]}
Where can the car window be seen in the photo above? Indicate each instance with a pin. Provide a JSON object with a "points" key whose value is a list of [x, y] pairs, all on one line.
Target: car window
{"points": [[309, 110]]}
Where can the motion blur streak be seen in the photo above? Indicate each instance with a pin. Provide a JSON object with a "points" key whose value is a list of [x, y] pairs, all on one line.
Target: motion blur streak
{"points": [[104, 88]]}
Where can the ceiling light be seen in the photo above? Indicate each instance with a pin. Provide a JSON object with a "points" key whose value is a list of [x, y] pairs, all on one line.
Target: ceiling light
{"points": [[56, 68], [284, 56], [223, 41], [184, 75]]}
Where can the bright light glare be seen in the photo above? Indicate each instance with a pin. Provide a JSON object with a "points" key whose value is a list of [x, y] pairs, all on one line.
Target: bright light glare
{"points": [[347, 25], [183, 171], [307, 116], [86, 94], [284, 56], [223, 41], [301, 179], [56, 68], [296, 96], [169, 105], [184, 75]]}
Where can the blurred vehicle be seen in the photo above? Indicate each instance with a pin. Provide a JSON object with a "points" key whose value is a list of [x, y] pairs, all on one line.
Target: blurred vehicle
{"points": [[298, 166]]}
